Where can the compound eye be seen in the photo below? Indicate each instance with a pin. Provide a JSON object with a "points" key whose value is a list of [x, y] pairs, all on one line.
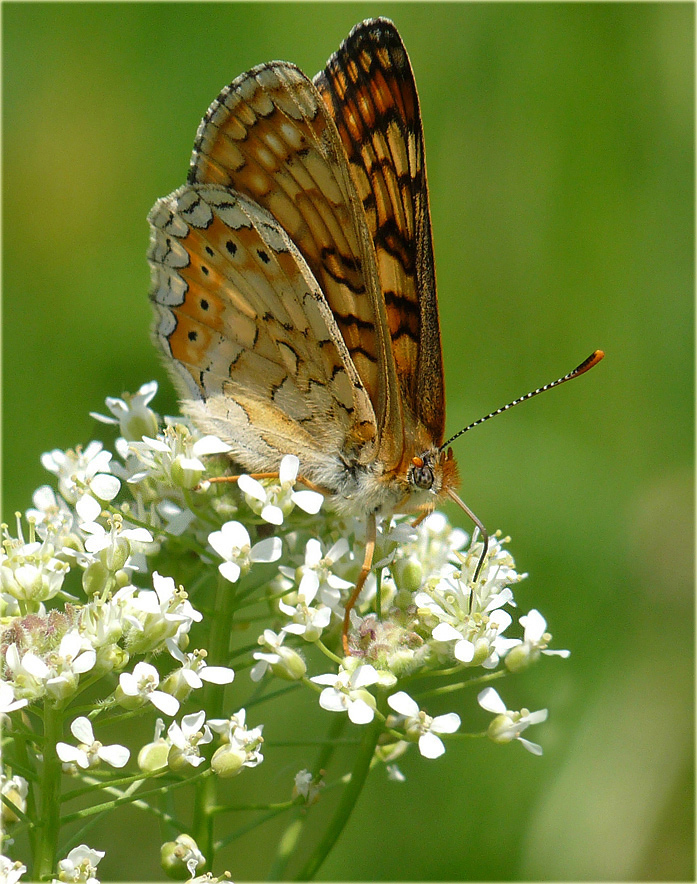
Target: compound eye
{"points": [[422, 475]]}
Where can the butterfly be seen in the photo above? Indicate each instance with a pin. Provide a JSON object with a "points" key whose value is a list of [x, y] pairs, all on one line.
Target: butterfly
{"points": [[294, 287]]}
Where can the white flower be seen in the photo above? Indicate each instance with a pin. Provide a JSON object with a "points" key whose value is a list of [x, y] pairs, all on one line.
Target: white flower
{"points": [[193, 672], [28, 672], [84, 478], [509, 725], [345, 692], [274, 501], [233, 544], [131, 414], [186, 740], [74, 657], [180, 854], [420, 726], [157, 614], [80, 865], [535, 639], [14, 789], [307, 786], [306, 621], [241, 745], [90, 752], [51, 515], [7, 698], [31, 572], [283, 662], [11, 872], [174, 457], [114, 541], [317, 576], [143, 685]]}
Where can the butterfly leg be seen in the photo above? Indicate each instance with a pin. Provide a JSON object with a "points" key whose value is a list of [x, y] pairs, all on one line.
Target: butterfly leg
{"points": [[419, 519], [300, 479], [370, 537]]}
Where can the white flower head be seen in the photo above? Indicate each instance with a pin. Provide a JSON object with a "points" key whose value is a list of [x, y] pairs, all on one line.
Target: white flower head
{"points": [[186, 739], [156, 615], [307, 786], [274, 499], [80, 865], [90, 752], [30, 572], [523, 652], [52, 516], [421, 727], [11, 872], [7, 699], [74, 657], [115, 544], [84, 478], [194, 671], [131, 413], [234, 545], [14, 789], [508, 725], [346, 692], [142, 686], [181, 854], [316, 577], [174, 456], [241, 745], [283, 662]]}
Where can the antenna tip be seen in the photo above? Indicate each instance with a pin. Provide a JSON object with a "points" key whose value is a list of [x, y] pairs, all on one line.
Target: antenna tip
{"points": [[587, 364]]}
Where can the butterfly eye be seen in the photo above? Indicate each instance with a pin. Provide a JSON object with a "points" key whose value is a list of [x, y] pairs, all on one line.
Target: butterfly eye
{"points": [[421, 474]]}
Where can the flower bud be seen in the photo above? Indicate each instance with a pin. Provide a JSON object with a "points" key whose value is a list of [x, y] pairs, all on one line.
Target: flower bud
{"points": [[500, 729], [126, 701], [180, 858], [519, 658], [187, 472], [96, 579], [290, 666], [408, 574], [228, 760], [115, 556], [153, 756]]}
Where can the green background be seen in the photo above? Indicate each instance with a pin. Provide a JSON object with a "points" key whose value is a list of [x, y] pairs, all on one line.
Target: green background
{"points": [[560, 160]]}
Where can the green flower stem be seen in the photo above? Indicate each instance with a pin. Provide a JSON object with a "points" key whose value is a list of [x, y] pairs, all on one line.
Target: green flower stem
{"points": [[461, 685], [291, 836], [48, 825], [325, 650], [205, 800], [347, 803], [129, 797]]}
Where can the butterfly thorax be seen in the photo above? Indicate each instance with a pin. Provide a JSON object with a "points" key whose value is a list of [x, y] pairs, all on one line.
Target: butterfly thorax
{"points": [[416, 484]]}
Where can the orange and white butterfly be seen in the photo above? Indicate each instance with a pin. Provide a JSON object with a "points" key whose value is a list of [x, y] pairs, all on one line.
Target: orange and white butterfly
{"points": [[294, 283]]}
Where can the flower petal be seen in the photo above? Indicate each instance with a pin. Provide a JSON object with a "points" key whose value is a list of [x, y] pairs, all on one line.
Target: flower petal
{"points": [[431, 746]]}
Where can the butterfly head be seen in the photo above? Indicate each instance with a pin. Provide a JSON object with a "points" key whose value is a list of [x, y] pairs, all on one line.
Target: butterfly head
{"points": [[430, 476]]}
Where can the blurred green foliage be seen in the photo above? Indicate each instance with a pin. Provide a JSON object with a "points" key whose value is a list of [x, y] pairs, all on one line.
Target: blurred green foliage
{"points": [[561, 169]]}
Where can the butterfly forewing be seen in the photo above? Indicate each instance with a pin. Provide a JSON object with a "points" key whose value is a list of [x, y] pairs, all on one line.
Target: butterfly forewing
{"points": [[268, 136], [369, 88]]}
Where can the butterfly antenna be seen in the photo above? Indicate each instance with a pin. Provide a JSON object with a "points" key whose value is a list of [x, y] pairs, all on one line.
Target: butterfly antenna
{"points": [[585, 366]]}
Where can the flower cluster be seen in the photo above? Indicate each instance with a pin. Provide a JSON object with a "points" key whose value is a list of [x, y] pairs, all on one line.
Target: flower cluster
{"points": [[94, 595]]}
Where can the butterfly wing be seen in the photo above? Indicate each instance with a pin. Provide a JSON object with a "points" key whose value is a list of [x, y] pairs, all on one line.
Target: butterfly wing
{"points": [[369, 89], [251, 341], [269, 137]]}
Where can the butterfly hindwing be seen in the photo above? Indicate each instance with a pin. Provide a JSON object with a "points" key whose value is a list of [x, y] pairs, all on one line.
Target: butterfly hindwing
{"points": [[249, 333]]}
